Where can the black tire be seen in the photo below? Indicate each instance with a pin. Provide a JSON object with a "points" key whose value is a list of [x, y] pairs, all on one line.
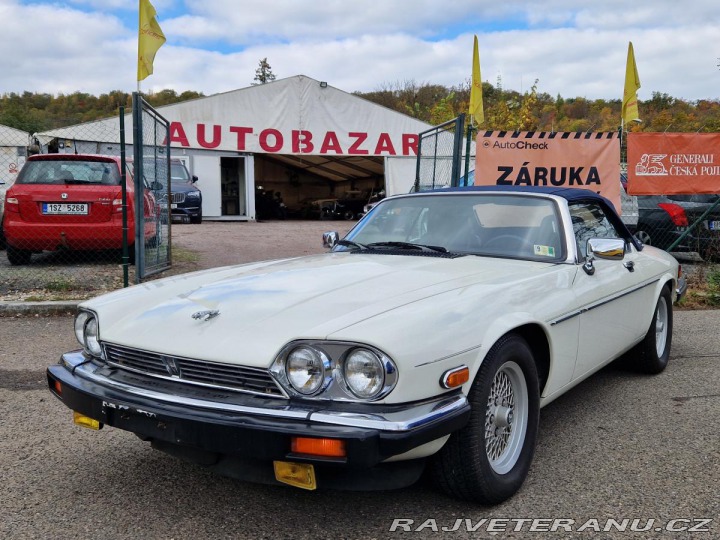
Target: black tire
{"points": [[463, 467], [325, 214], [643, 236], [651, 355], [197, 220], [18, 257], [349, 215]]}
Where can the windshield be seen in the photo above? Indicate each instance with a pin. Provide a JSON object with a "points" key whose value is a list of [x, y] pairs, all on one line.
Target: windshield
{"points": [[156, 170], [69, 172], [513, 226]]}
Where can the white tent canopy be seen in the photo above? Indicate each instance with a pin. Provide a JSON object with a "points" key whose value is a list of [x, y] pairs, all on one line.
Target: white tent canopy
{"points": [[299, 121]]}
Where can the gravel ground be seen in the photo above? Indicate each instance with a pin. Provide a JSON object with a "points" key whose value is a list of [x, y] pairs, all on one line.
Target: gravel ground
{"points": [[76, 276], [618, 446]]}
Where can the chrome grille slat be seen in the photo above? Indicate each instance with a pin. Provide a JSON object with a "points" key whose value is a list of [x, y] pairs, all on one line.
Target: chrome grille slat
{"points": [[192, 371], [178, 197]]}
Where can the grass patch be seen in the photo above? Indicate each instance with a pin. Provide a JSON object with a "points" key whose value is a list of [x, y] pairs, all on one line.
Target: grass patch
{"points": [[182, 255], [703, 289], [60, 285]]}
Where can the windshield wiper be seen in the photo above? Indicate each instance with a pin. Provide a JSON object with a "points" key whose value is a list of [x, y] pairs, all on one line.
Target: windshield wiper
{"points": [[408, 245], [350, 243]]}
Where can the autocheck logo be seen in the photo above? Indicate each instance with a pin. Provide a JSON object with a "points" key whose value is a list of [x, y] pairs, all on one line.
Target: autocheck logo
{"points": [[517, 145]]}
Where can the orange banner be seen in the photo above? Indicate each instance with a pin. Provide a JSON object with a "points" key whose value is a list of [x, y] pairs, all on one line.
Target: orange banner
{"points": [[673, 163], [528, 158]]}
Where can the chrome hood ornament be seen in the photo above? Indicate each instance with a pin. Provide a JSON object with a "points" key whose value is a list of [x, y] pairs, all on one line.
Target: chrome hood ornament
{"points": [[205, 315]]}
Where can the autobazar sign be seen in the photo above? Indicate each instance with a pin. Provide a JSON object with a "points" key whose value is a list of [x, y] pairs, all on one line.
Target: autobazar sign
{"points": [[530, 158], [295, 141], [673, 163]]}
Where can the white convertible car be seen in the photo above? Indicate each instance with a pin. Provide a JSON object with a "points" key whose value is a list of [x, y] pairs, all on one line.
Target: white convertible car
{"points": [[428, 338]]}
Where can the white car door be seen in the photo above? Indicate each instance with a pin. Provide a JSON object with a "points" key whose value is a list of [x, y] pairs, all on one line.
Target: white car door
{"points": [[610, 298]]}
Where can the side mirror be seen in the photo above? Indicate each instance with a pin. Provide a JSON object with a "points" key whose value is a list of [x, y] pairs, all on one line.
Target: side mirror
{"points": [[194, 179], [156, 186], [330, 239], [609, 249]]}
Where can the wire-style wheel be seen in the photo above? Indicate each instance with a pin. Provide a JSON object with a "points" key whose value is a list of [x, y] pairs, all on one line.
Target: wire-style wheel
{"points": [[488, 459], [652, 354], [506, 418], [661, 326]]}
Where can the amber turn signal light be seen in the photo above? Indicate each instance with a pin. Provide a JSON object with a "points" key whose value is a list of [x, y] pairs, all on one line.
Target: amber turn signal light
{"points": [[57, 387], [318, 447], [455, 377]]}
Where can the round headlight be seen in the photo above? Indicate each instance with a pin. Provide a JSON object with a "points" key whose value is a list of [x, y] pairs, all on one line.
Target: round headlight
{"points": [[364, 373], [305, 370], [91, 337], [86, 332], [80, 321]]}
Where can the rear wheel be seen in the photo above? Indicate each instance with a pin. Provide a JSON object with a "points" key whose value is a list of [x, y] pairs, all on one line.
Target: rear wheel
{"points": [[651, 355], [487, 461], [18, 256]]}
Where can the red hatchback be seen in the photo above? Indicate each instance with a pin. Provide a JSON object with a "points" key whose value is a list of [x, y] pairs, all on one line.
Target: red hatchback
{"points": [[72, 201]]}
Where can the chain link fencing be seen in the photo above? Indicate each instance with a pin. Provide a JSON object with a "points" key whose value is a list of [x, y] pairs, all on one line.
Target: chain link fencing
{"points": [[440, 157], [73, 209]]}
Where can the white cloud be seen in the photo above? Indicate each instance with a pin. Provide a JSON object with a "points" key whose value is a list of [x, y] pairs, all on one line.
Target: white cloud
{"points": [[358, 46]]}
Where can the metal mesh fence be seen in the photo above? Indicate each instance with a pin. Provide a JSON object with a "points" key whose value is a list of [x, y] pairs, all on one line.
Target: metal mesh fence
{"points": [[681, 223], [151, 165], [61, 219], [439, 156], [62, 210]]}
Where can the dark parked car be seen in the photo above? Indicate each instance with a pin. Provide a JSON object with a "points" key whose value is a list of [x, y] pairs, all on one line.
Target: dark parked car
{"points": [[186, 203], [663, 218]]}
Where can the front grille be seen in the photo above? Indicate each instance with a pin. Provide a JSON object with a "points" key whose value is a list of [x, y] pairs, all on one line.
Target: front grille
{"points": [[178, 197], [200, 372]]}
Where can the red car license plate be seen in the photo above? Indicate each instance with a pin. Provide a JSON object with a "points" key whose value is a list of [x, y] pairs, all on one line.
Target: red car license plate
{"points": [[64, 208]]}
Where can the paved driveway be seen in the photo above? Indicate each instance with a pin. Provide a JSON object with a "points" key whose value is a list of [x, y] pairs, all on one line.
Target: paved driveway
{"points": [[620, 446]]}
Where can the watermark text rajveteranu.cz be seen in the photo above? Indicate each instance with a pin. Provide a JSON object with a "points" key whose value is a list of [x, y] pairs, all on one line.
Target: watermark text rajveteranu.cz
{"points": [[499, 525]]}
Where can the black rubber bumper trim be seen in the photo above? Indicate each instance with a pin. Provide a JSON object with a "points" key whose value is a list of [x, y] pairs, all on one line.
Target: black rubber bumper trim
{"points": [[233, 433]]}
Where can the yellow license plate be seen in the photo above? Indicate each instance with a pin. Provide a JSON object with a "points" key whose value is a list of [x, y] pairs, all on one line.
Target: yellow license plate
{"points": [[86, 421], [300, 475]]}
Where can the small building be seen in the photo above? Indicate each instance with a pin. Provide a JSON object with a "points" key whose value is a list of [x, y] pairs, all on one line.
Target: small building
{"points": [[13, 151], [297, 138]]}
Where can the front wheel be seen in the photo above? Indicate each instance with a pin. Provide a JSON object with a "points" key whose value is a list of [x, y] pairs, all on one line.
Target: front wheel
{"points": [[651, 355], [488, 460]]}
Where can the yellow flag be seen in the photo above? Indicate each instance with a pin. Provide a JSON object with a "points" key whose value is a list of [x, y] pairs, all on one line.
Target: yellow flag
{"points": [[150, 39], [632, 85], [476, 98]]}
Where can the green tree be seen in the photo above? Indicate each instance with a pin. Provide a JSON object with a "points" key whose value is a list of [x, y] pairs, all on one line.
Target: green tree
{"points": [[263, 74]]}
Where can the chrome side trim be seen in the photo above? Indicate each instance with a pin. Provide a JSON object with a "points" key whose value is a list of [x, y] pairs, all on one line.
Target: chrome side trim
{"points": [[411, 417], [602, 302]]}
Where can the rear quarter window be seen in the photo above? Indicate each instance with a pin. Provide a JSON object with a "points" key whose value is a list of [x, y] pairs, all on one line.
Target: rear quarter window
{"points": [[69, 172]]}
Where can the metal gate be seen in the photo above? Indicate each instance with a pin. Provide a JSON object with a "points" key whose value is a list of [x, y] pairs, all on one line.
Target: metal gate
{"points": [[439, 162], [151, 174]]}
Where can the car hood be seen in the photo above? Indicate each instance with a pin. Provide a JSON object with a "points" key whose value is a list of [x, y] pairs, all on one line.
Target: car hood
{"points": [[183, 187], [263, 306]]}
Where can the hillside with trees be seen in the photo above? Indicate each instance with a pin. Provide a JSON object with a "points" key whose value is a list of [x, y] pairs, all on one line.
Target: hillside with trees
{"points": [[432, 103]]}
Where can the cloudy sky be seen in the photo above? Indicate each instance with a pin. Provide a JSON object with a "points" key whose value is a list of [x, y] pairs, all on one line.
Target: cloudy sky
{"points": [[575, 48]]}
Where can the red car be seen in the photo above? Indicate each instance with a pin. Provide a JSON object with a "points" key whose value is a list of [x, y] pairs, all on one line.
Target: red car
{"points": [[72, 201]]}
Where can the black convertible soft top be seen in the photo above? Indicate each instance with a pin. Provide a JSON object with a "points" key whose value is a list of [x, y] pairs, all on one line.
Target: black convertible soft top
{"points": [[572, 195]]}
